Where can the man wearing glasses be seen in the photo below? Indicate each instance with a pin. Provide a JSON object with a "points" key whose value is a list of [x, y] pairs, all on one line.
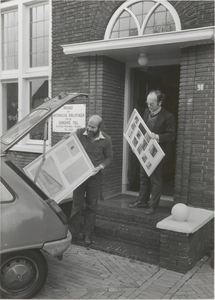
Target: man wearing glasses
{"points": [[161, 123]]}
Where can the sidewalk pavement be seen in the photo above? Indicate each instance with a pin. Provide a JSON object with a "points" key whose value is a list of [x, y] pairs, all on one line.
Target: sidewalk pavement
{"points": [[86, 273]]}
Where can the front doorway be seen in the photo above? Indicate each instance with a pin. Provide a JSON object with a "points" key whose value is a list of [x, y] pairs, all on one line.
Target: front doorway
{"points": [[166, 79]]}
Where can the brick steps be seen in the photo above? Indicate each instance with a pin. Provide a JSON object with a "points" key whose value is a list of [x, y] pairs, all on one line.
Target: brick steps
{"points": [[132, 216], [124, 249], [131, 234], [128, 232]]}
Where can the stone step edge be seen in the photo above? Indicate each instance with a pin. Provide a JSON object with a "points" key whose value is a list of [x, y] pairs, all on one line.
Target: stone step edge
{"points": [[128, 216], [128, 233], [124, 250], [140, 224], [146, 245]]}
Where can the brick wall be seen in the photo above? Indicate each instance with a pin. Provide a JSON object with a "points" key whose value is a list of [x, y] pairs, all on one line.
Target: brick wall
{"points": [[101, 77], [180, 251], [194, 14], [80, 21], [75, 22], [113, 114], [195, 147]]}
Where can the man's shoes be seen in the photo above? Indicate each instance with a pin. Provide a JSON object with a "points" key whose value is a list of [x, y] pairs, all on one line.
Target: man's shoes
{"points": [[87, 240], [150, 211], [138, 203], [77, 238]]}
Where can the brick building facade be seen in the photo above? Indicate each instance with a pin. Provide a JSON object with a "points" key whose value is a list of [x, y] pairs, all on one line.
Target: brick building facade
{"points": [[109, 80], [104, 78]]}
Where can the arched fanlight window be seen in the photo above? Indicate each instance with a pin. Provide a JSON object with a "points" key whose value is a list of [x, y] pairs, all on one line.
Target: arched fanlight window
{"points": [[136, 18]]}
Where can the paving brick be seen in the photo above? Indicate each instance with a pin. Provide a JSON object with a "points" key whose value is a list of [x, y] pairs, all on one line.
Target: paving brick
{"points": [[86, 273]]}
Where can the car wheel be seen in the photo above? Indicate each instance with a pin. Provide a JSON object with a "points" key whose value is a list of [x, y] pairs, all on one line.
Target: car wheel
{"points": [[23, 274]]}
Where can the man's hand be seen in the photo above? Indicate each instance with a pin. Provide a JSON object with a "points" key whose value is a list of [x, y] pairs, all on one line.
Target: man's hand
{"points": [[97, 169], [154, 136]]}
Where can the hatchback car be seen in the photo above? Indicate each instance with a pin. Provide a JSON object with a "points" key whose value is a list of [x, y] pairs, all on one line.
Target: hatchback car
{"points": [[30, 222]]}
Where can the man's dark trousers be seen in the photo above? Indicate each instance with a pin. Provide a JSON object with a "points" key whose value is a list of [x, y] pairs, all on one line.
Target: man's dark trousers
{"points": [[156, 186], [91, 187]]}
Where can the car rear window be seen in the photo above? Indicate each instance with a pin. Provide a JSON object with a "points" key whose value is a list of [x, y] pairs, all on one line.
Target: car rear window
{"points": [[6, 195], [24, 125], [19, 172]]}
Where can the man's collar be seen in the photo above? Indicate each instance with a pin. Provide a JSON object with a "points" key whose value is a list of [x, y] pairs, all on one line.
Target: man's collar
{"points": [[99, 137], [156, 111]]}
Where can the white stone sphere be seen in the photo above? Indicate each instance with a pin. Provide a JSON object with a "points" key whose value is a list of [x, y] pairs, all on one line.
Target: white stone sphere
{"points": [[180, 212]]}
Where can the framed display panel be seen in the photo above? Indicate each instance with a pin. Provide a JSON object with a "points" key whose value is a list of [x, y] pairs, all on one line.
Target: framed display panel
{"points": [[145, 148], [65, 167]]}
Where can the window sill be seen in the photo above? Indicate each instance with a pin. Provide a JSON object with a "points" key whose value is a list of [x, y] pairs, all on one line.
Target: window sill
{"points": [[30, 148]]}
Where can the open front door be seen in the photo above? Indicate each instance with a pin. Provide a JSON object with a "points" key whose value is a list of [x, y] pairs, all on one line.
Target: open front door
{"points": [[143, 81]]}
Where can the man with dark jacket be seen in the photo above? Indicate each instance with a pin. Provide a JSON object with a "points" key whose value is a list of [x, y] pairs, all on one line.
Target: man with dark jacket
{"points": [[162, 126]]}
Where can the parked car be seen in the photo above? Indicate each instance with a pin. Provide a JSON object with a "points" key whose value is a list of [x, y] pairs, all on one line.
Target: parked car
{"points": [[30, 222]]}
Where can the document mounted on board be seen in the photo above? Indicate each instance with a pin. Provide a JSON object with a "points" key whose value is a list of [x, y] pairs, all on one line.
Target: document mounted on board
{"points": [[147, 150], [66, 166]]}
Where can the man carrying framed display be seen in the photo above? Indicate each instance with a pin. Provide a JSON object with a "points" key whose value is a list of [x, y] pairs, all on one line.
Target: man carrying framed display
{"points": [[147, 138], [98, 146]]}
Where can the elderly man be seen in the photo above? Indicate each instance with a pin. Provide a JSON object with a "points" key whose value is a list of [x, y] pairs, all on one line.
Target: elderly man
{"points": [[162, 126], [98, 146]]}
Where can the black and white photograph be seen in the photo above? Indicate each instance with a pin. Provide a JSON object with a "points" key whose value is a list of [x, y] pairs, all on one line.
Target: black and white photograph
{"points": [[133, 126], [130, 134], [144, 158], [153, 150], [107, 149], [136, 119], [144, 144], [139, 135], [148, 165], [140, 148], [142, 128], [134, 142]]}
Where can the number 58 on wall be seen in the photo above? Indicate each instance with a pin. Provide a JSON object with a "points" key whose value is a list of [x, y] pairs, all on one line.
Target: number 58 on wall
{"points": [[200, 87]]}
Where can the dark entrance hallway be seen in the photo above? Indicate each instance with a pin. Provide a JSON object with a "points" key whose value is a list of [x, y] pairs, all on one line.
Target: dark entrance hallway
{"points": [[165, 78]]}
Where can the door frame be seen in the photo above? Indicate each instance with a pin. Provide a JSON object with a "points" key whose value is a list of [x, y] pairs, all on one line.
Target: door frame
{"points": [[127, 112]]}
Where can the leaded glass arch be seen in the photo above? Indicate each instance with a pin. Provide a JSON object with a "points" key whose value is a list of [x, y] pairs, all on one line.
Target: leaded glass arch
{"points": [[137, 18]]}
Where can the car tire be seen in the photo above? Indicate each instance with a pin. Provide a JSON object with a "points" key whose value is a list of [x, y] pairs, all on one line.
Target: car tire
{"points": [[23, 274]]}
